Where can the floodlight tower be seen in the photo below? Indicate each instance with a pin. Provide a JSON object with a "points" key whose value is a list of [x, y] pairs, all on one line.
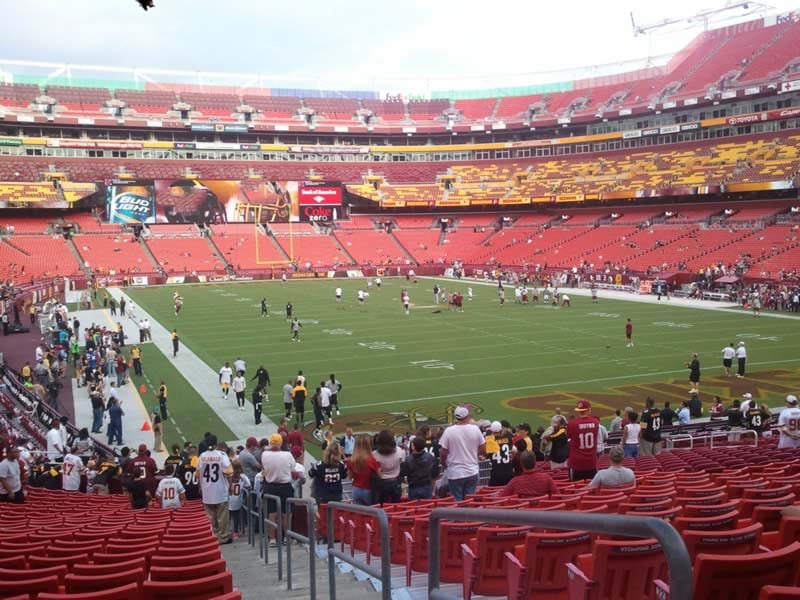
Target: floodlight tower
{"points": [[732, 9]]}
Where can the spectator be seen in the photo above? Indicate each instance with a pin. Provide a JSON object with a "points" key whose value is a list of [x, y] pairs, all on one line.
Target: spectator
{"points": [[83, 445], [213, 468], [55, 444], [138, 491], [630, 436], [461, 446], [389, 458], [363, 468], [616, 422], [695, 407], [789, 424], [559, 444], [531, 483], [684, 416], [10, 478], [650, 436], [170, 491], [583, 432], [420, 470], [279, 470], [668, 416], [250, 465], [240, 486], [115, 414], [717, 409], [329, 474], [615, 475], [734, 414]]}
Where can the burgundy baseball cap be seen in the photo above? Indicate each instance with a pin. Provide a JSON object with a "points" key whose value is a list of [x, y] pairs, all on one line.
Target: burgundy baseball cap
{"points": [[583, 406], [142, 448], [251, 441]]}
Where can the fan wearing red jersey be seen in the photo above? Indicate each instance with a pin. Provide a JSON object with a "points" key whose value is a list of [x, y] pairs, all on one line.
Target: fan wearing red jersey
{"points": [[143, 466], [583, 432]]}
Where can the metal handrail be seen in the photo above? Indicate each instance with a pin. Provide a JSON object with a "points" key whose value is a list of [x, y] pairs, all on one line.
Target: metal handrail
{"points": [[311, 540], [727, 434], [384, 573], [680, 437], [680, 565], [253, 516], [277, 525]]}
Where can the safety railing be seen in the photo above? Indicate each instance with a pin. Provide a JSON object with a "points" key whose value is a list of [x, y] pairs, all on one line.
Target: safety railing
{"points": [[257, 515], [310, 539], [680, 566], [385, 571], [707, 439]]}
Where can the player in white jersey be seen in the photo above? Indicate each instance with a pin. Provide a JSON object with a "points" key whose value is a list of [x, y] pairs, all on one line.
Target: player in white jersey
{"points": [[362, 295], [213, 469], [406, 301], [239, 366], [177, 299], [338, 295], [469, 293], [788, 424], [565, 300], [225, 376], [378, 281], [170, 491], [518, 295], [239, 385], [71, 471], [728, 354]]}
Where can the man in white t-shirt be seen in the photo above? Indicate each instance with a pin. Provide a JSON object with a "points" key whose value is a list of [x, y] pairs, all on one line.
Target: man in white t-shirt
{"points": [[213, 469], [10, 479], [71, 471], [239, 385], [745, 405], [741, 360], [55, 444], [225, 376], [461, 446], [279, 469], [170, 491], [239, 365], [789, 424], [325, 402], [338, 295], [728, 354]]}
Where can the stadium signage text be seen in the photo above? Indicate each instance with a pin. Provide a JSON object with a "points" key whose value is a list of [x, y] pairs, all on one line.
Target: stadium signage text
{"points": [[318, 214], [319, 195]]}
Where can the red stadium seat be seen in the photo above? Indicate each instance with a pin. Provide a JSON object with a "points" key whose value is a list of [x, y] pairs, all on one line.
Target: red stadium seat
{"points": [[81, 548], [708, 510], [788, 532], [398, 526], [618, 570], [108, 569], [543, 556], [117, 548], [60, 571], [22, 550], [35, 586], [726, 577], [186, 560], [779, 592], [93, 583], [748, 504], [13, 562], [167, 548], [36, 561], [105, 558], [187, 573], [484, 567], [234, 595], [198, 589], [453, 534], [769, 516], [724, 521], [727, 541], [417, 547], [125, 592]]}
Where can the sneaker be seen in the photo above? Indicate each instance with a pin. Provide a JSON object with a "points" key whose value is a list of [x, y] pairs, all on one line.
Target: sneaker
{"points": [[337, 412], [330, 421], [228, 541]]}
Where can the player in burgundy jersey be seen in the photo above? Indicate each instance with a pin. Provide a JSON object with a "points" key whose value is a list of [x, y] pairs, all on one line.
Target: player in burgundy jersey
{"points": [[629, 333], [583, 432]]}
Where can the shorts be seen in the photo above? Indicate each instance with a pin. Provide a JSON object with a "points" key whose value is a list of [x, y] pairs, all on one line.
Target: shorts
{"points": [[225, 386], [649, 448], [282, 491], [727, 362]]}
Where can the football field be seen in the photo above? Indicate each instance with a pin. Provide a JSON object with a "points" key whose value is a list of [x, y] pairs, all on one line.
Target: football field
{"points": [[518, 362]]}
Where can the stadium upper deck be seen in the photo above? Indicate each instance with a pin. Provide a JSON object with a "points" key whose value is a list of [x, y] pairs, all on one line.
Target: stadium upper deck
{"points": [[742, 60]]}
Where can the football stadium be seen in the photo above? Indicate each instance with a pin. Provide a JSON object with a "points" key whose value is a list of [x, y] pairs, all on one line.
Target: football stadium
{"points": [[294, 317]]}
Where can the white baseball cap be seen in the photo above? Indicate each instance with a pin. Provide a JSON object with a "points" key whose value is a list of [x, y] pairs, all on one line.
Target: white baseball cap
{"points": [[748, 396], [741, 343], [461, 412], [496, 427], [791, 399]]}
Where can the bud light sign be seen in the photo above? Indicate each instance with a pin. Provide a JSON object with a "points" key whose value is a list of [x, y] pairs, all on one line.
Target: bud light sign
{"points": [[318, 214], [130, 203]]}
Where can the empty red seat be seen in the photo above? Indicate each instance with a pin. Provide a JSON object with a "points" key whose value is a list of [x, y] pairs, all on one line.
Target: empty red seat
{"points": [[710, 523], [198, 589], [788, 531], [60, 571], [125, 592], [81, 548], [617, 570], [707, 510], [726, 577], [539, 570], [34, 586], [185, 560], [12, 562], [744, 540], [93, 583], [36, 561], [186, 573], [453, 534], [484, 564], [107, 569], [779, 592]]}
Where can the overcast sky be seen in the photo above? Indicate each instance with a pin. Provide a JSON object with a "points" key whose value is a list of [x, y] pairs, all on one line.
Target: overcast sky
{"points": [[346, 43]]}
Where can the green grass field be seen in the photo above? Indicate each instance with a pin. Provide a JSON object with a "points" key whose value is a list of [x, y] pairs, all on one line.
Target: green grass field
{"points": [[514, 361]]}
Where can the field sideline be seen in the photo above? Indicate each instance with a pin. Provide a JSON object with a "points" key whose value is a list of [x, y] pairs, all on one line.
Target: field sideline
{"points": [[514, 361]]}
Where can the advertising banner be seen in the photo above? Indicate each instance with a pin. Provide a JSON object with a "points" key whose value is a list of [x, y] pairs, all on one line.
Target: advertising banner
{"points": [[318, 214], [790, 86], [319, 195], [131, 202]]}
